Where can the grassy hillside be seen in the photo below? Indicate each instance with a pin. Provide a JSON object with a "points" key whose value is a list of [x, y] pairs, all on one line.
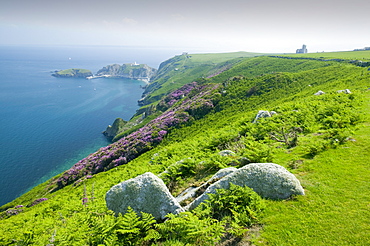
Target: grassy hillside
{"points": [[322, 139], [185, 68], [73, 72], [350, 55]]}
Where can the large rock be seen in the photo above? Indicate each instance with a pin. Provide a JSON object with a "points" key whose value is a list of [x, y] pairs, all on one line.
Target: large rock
{"points": [[263, 114], [269, 180], [319, 93], [346, 91], [145, 193], [113, 130], [192, 191]]}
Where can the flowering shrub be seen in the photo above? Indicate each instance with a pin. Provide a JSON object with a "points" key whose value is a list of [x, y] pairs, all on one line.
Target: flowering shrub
{"points": [[37, 201], [197, 100]]}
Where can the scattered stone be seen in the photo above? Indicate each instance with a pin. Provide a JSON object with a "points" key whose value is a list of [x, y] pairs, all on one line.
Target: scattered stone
{"points": [[346, 91], [193, 191], [222, 173], [269, 180], [226, 153], [319, 93], [263, 114], [145, 193], [244, 161]]}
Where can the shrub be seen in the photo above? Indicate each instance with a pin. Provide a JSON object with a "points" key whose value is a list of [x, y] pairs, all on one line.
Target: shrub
{"points": [[238, 207], [257, 152], [178, 171], [186, 227]]}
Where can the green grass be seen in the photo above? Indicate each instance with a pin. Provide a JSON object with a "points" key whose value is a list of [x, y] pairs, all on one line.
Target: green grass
{"points": [[350, 55], [336, 207], [221, 57], [184, 69], [73, 71]]}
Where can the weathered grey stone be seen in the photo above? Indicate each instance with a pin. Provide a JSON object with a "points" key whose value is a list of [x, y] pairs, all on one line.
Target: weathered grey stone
{"points": [[263, 114], [145, 193], [192, 191], [222, 173], [269, 180], [346, 91], [319, 93], [226, 153]]}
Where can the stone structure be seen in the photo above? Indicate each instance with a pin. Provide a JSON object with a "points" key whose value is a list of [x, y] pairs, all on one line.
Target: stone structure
{"points": [[302, 51]]}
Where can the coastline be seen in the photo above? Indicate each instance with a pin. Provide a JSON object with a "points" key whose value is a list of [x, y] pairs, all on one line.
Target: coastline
{"points": [[143, 79]]}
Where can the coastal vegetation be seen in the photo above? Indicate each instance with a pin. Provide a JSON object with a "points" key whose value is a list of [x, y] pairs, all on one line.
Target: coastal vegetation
{"points": [[73, 73], [192, 113]]}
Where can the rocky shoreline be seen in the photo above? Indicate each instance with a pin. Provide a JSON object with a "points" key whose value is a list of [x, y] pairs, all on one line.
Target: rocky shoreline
{"points": [[135, 71]]}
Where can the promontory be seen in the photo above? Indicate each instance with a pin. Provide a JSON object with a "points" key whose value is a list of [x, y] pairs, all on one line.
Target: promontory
{"points": [[129, 70], [73, 73]]}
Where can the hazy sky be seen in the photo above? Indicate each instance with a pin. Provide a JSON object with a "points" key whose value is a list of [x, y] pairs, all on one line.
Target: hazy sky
{"points": [[212, 25]]}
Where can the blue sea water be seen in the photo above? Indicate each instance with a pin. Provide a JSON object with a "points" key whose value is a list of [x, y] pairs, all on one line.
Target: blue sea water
{"points": [[47, 124]]}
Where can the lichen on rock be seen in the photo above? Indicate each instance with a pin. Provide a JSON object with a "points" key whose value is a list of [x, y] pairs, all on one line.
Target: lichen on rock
{"points": [[269, 180], [145, 193]]}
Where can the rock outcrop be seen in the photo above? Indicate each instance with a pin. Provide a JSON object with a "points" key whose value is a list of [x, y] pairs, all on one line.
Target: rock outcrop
{"points": [[346, 91], [269, 180], [73, 73], [319, 93], [145, 193], [193, 191], [263, 114], [130, 71], [113, 130]]}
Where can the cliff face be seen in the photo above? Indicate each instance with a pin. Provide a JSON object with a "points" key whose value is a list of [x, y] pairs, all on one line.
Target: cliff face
{"points": [[131, 71], [73, 73], [113, 130]]}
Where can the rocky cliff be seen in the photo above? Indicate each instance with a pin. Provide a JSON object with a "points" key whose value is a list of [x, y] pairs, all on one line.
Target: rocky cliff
{"points": [[131, 71], [73, 73], [113, 130]]}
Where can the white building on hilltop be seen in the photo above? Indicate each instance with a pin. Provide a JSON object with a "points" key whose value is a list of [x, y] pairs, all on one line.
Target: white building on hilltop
{"points": [[302, 51]]}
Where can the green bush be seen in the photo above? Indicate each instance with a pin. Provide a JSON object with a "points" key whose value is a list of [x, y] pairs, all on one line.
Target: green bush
{"points": [[178, 171], [239, 207], [314, 145], [188, 228], [257, 152]]}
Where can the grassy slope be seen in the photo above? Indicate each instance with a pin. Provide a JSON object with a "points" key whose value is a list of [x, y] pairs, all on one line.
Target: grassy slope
{"points": [[184, 69], [335, 210], [72, 71], [351, 55]]}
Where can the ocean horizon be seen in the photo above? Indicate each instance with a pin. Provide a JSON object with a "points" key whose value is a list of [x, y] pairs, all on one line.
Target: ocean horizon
{"points": [[47, 124]]}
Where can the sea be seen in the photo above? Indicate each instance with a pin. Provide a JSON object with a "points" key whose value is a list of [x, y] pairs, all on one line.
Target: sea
{"points": [[47, 124]]}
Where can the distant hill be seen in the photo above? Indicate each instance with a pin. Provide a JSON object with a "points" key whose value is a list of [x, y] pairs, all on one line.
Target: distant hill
{"points": [[130, 71]]}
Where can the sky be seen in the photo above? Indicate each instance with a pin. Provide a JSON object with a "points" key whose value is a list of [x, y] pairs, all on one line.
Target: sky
{"points": [[278, 26]]}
